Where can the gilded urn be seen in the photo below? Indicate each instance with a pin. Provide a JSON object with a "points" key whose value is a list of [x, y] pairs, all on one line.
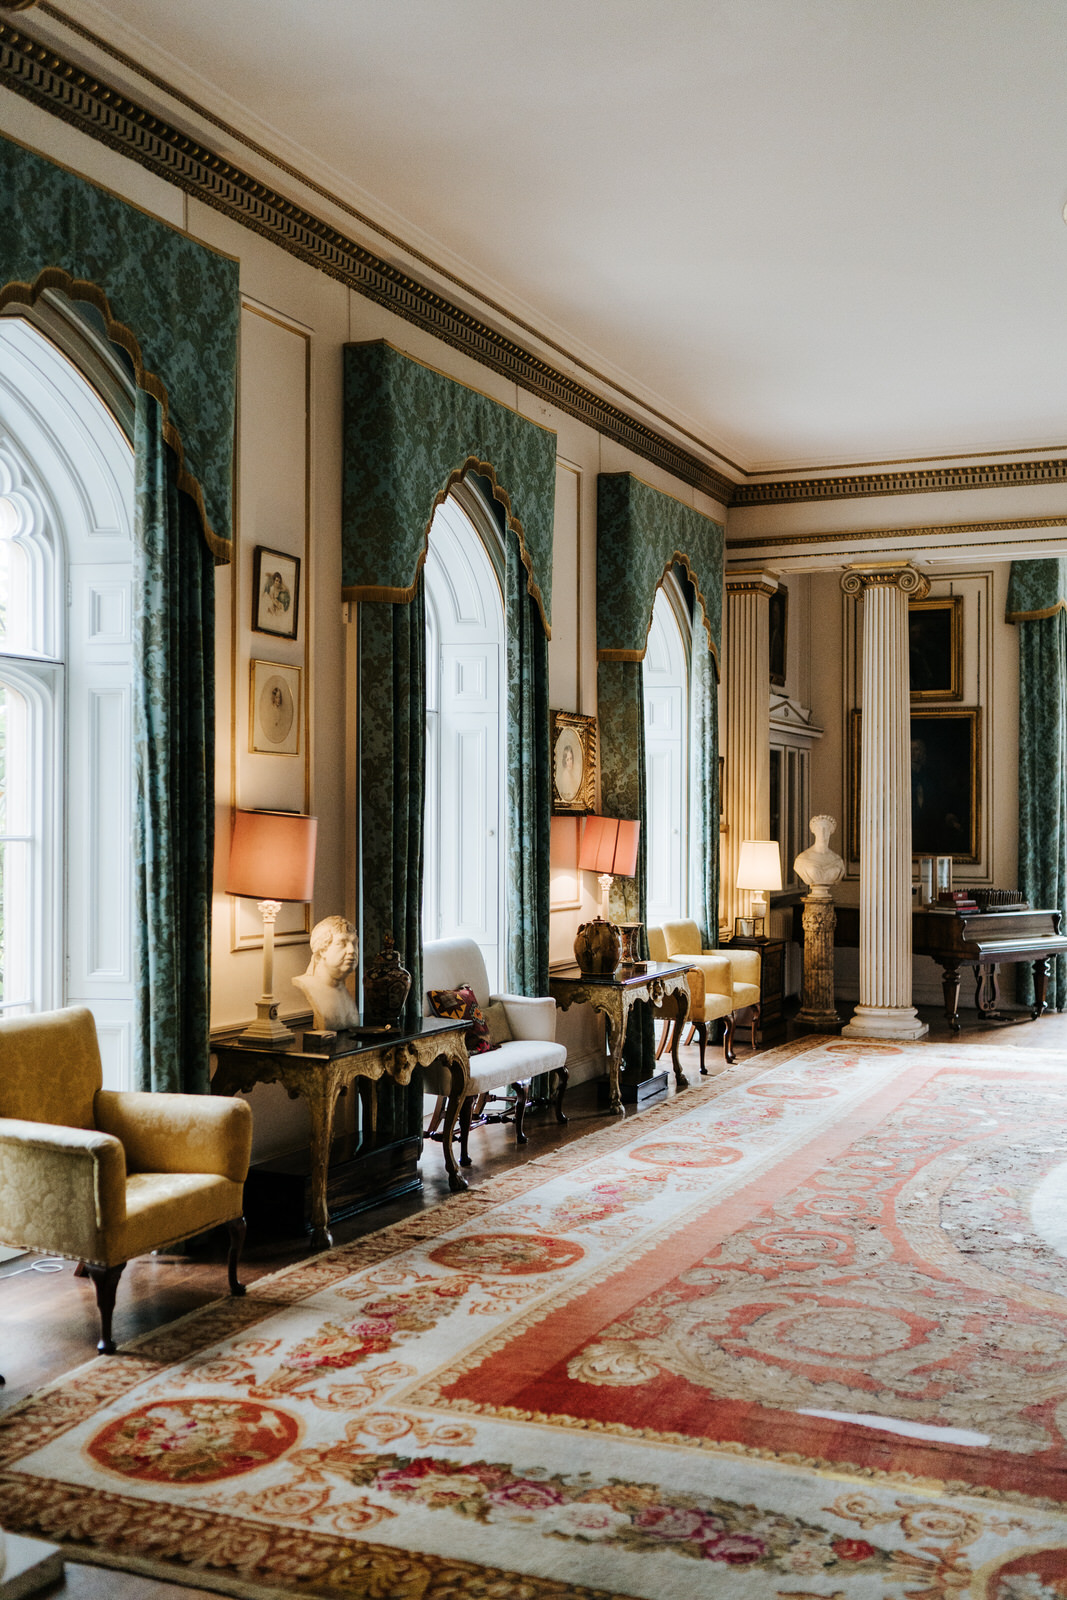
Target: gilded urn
{"points": [[385, 986], [598, 947]]}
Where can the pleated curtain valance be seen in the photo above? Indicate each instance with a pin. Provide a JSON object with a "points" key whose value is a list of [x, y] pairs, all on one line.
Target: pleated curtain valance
{"points": [[641, 533], [172, 304], [1036, 589], [410, 434]]}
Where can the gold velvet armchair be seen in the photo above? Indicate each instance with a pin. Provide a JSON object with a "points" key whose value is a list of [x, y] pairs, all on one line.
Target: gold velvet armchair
{"points": [[711, 995], [98, 1176], [682, 942]]}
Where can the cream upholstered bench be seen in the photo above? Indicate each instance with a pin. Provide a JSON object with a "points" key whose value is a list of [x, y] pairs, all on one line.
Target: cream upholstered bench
{"points": [[100, 1176], [711, 995], [531, 1022]]}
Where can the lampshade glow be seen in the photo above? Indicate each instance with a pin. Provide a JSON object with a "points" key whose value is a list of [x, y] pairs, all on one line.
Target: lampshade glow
{"points": [[760, 865], [272, 856], [609, 845]]}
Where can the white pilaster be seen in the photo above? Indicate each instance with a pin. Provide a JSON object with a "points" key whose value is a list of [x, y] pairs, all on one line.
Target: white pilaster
{"points": [[746, 749], [885, 1010]]}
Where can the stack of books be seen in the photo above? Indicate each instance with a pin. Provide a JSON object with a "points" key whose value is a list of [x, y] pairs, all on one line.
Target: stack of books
{"points": [[957, 900]]}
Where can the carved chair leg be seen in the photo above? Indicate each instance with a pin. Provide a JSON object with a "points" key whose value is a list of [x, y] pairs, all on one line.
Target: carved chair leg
{"points": [[465, 1112], [236, 1230], [106, 1282], [728, 1040], [562, 1079], [520, 1111], [702, 1034], [664, 1031], [438, 1113], [81, 1270], [755, 1026]]}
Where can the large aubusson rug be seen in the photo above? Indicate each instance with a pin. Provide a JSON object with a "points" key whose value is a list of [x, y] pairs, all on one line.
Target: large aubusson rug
{"points": [[799, 1332]]}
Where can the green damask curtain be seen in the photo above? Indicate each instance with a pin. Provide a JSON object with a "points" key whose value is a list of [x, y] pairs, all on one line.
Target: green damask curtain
{"points": [[1037, 603], [173, 306], [529, 791], [392, 736], [621, 705], [704, 786], [174, 733]]}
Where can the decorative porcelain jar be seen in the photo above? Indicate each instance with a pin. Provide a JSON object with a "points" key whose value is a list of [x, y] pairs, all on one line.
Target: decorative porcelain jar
{"points": [[385, 986], [598, 947]]}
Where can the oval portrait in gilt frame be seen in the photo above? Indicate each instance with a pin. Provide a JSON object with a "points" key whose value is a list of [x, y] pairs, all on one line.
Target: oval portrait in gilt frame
{"points": [[574, 762]]}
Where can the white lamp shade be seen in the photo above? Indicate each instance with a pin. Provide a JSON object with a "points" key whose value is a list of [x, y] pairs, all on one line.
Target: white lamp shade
{"points": [[760, 865], [272, 856]]}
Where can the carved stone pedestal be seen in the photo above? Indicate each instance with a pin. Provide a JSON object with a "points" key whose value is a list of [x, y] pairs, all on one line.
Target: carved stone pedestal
{"points": [[820, 919]]}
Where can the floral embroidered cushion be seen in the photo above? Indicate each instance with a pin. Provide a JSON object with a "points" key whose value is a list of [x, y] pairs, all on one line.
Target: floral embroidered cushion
{"points": [[462, 1002]]}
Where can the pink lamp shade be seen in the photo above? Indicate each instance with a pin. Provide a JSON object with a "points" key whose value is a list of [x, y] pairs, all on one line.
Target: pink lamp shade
{"points": [[272, 856], [609, 845]]}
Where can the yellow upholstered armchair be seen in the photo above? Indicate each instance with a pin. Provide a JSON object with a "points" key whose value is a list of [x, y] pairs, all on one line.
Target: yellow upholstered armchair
{"points": [[711, 995], [99, 1176], [682, 941]]}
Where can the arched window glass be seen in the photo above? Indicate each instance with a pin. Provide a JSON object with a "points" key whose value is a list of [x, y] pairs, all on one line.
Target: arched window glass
{"points": [[464, 837], [66, 619], [666, 688]]}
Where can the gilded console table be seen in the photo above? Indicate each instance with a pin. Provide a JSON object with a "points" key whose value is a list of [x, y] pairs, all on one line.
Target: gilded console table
{"points": [[614, 995], [322, 1079]]}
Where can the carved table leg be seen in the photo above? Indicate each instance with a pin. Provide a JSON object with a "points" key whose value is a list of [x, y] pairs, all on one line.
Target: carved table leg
{"points": [[950, 984], [681, 997], [616, 1018], [986, 988], [458, 1096], [1040, 986], [321, 1104]]}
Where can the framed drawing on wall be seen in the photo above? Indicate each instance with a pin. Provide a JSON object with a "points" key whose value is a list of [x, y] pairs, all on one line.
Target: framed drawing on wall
{"points": [[275, 592], [777, 619], [274, 709], [574, 762], [935, 648], [946, 759]]}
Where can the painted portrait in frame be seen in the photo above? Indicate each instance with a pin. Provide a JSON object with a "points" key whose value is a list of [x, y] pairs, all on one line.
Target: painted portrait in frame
{"points": [[275, 592], [574, 762], [935, 648], [274, 709], [946, 756]]}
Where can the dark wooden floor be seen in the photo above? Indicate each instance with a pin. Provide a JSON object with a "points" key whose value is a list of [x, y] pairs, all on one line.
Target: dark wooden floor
{"points": [[48, 1320]]}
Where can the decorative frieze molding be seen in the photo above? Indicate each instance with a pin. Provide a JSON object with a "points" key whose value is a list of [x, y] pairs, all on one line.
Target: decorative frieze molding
{"points": [[927, 480]]}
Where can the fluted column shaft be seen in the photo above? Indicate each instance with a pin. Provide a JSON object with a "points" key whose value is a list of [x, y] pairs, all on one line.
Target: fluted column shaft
{"points": [[885, 1009], [746, 749]]}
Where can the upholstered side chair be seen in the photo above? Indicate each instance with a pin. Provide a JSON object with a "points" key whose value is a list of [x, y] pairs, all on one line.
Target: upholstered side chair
{"points": [[711, 998], [99, 1176], [682, 940], [530, 1051]]}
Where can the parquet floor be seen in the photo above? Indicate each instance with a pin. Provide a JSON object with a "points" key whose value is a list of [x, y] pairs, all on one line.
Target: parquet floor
{"points": [[48, 1319]]}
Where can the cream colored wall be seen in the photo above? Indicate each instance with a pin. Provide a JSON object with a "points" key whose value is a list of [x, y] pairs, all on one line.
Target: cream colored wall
{"points": [[295, 322]]}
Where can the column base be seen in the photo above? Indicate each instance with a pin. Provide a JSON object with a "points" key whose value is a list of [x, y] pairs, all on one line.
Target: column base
{"points": [[817, 1021], [885, 1022]]}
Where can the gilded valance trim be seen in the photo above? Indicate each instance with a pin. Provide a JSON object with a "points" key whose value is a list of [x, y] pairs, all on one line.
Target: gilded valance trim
{"points": [[171, 303], [642, 533], [1036, 590], [411, 433]]}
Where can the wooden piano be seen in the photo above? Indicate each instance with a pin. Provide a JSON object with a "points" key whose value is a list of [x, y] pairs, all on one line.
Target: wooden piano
{"points": [[984, 940]]}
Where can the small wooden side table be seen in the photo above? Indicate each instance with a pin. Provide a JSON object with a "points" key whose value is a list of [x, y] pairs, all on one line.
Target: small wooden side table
{"points": [[772, 986], [614, 995], [322, 1079]]}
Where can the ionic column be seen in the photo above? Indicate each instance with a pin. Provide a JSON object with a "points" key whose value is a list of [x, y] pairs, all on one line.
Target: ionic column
{"points": [[885, 1010], [747, 747]]}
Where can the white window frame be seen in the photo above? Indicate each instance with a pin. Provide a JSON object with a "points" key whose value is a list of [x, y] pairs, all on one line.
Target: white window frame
{"points": [[669, 643]]}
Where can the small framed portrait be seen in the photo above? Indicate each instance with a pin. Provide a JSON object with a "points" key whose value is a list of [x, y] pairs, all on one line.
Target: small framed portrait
{"points": [[574, 762], [274, 709], [777, 619], [275, 592], [935, 648], [745, 927]]}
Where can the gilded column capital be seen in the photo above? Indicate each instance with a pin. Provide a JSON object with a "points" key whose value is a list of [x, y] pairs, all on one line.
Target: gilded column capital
{"points": [[750, 583], [886, 575]]}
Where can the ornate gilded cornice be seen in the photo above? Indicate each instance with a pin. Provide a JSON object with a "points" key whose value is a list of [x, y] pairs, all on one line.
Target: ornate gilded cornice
{"points": [[95, 108], [886, 575], [925, 480], [750, 583], [939, 533]]}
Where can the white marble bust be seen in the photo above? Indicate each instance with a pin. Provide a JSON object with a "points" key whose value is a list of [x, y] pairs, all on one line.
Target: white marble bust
{"points": [[818, 865], [333, 956]]}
